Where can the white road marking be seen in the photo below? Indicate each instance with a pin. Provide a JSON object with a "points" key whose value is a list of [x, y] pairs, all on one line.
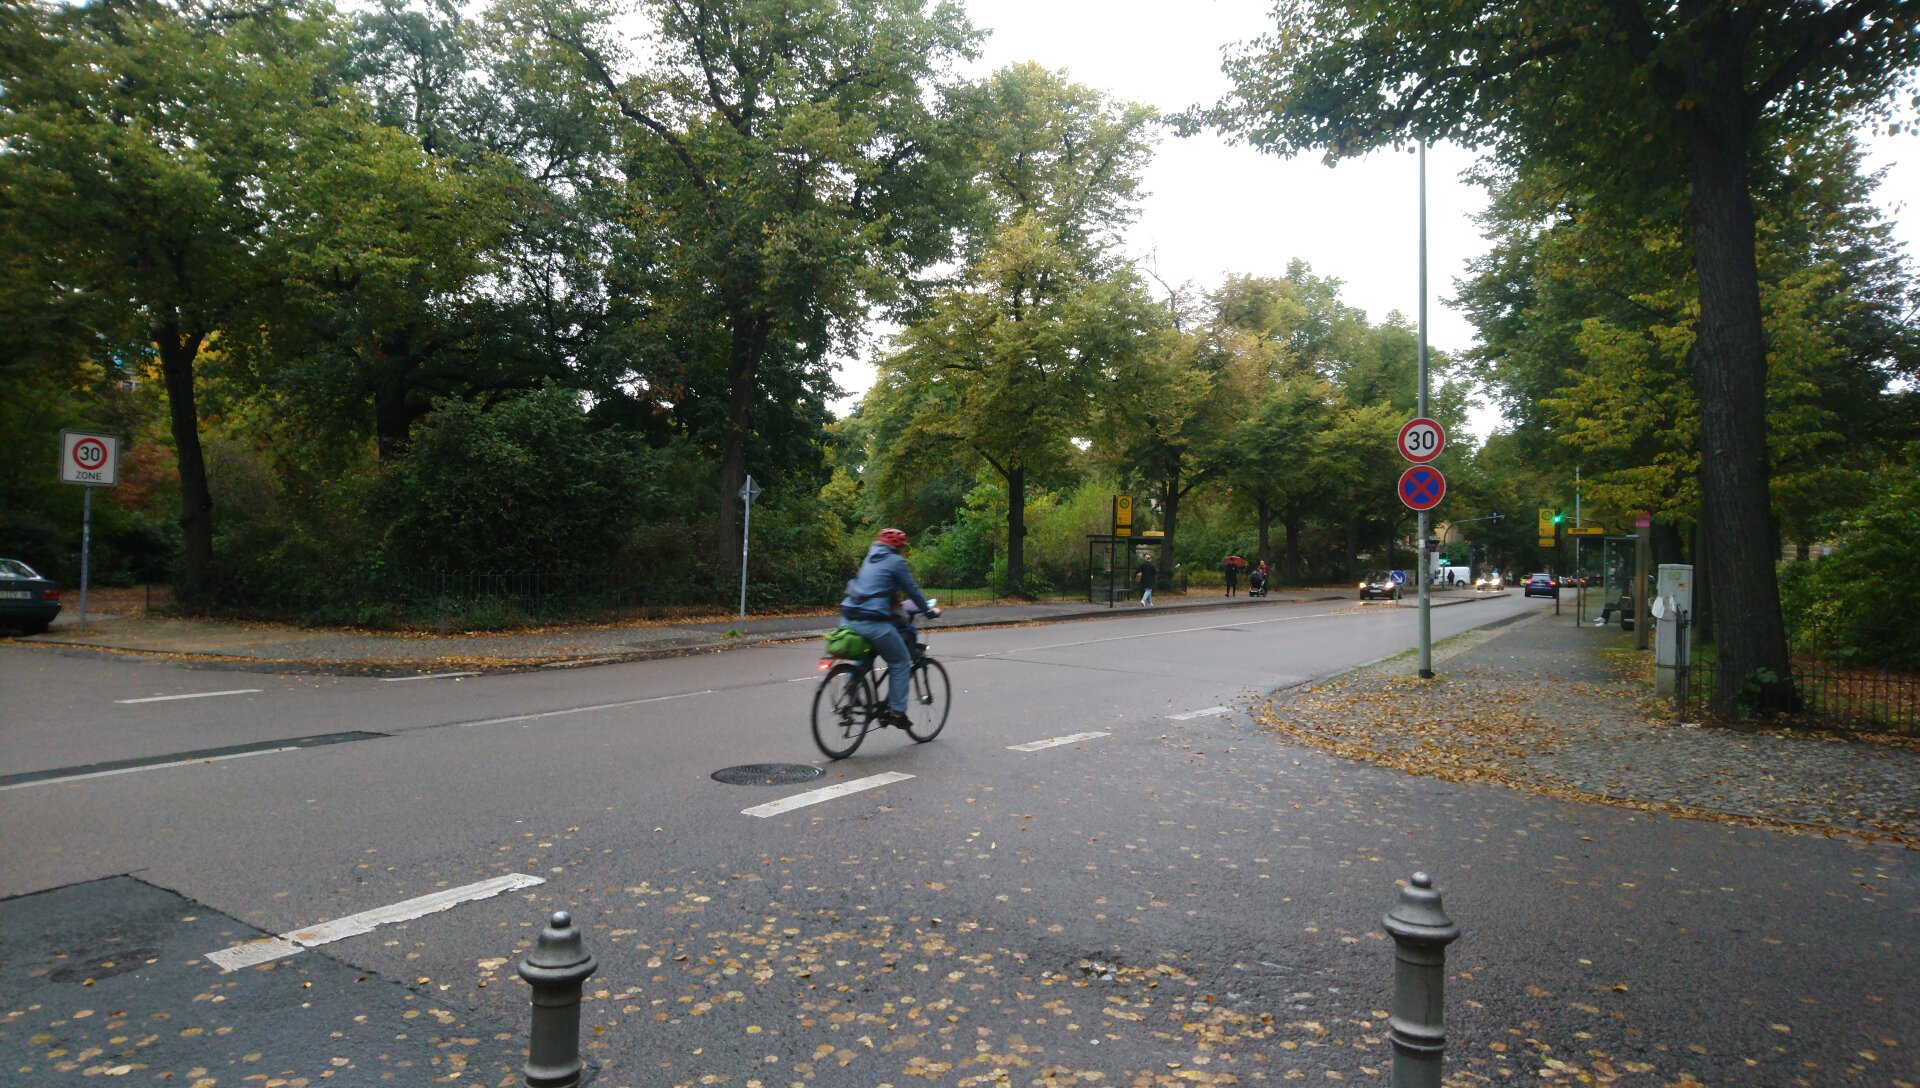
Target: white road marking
{"points": [[585, 709], [196, 695], [427, 676], [1052, 742], [150, 767], [824, 793], [296, 941], [1210, 712]]}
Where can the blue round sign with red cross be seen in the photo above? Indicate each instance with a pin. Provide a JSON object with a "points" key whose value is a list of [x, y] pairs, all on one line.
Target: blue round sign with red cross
{"points": [[1422, 487]]}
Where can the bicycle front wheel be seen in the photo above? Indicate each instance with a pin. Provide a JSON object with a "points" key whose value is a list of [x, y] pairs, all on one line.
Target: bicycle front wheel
{"points": [[840, 710], [928, 701]]}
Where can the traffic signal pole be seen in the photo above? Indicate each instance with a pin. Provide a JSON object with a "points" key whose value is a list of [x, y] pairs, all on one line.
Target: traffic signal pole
{"points": [[1425, 565]]}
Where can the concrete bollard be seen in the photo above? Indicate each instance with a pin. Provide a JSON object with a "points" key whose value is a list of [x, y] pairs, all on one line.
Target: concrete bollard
{"points": [[1421, 932], [556, 969]]}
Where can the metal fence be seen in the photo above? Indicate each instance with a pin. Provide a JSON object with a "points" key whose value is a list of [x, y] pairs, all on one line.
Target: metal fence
{"points": [[1825, 696]]}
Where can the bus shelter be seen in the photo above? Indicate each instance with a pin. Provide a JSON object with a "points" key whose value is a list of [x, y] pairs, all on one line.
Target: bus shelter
{"points": [[1110, 567]]}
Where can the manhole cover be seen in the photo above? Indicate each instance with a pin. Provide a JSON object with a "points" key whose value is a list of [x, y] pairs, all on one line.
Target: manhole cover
{"points": [[767, 774]]}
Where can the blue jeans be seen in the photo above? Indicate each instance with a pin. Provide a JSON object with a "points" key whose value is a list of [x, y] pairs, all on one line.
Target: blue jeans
{"points": [[886, 639]]}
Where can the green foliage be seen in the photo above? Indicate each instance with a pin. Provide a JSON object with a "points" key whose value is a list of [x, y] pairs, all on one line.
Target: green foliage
{"points": [[1610, 93], [1858, 603], [786, 169], [527, 484]]}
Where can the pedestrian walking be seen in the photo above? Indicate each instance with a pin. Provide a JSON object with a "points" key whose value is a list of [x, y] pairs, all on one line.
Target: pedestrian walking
{"points": [[1147, 573], [1232, 568]]}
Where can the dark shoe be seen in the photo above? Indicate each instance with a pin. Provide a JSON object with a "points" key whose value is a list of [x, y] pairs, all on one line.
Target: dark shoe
{"points": [[898, 721]]}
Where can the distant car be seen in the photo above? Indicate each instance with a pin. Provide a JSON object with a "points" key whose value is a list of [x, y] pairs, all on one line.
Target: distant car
{"points": [[1379, 585], [1542, 585], [28, 602]]}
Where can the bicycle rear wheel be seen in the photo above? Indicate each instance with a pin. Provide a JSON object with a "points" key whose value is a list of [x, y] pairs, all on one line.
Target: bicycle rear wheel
{"points": [[841, 709], [928, 701]]}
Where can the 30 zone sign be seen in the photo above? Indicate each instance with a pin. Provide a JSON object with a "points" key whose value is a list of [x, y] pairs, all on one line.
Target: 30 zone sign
{"points": [[89, 459], [1421, 440]]}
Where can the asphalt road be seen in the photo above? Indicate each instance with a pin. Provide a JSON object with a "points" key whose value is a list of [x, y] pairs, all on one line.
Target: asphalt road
{"points": [[1180, 901]]}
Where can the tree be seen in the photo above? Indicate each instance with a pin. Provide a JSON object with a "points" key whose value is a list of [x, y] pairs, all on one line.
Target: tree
{"points": [[1587, 318], [142, 141], [1005, 367], [1167, 415], [786, 169], [1628, 90], [1282, 462]]}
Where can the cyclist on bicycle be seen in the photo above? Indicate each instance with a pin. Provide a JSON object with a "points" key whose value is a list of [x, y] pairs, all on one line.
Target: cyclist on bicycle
{"points": [[868, 612]]}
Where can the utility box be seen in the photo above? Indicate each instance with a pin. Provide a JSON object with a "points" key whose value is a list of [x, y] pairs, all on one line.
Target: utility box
{"points": [[1673, 621]]}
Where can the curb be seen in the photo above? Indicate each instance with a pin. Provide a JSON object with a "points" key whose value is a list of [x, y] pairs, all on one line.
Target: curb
{"points": [[495, 665]]}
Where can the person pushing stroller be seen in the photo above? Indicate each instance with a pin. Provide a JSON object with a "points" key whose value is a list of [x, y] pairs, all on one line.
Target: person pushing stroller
{"points": [[1257, 580]]}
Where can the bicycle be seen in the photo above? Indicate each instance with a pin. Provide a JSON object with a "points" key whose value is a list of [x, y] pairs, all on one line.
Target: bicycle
{"points": [[851, 701]]}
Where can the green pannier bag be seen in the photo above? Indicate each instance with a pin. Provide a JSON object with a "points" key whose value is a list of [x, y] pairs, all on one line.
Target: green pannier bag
{"points": [[842, 642]]}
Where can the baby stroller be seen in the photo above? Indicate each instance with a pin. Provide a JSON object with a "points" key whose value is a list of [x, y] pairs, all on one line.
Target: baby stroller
{"points": [[1257, 583]]}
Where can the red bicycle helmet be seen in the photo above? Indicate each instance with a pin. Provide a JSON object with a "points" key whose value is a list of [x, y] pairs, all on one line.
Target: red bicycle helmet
{"points": [[892, 538]]}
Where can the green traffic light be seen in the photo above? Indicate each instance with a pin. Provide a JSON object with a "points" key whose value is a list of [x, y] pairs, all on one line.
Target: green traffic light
{"points": [[1558, 517]]}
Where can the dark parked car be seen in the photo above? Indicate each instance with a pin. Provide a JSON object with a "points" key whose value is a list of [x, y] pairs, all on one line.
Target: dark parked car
{"points": [[28, 602], [1379, 584], [1542, 585]]}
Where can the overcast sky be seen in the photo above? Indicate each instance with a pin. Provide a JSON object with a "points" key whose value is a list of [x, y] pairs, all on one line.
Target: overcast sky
{"points": [[1213, 209]]}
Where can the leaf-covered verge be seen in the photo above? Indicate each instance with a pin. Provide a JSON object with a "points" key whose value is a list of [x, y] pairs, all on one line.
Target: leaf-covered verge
{"points": [[1509, 712]]}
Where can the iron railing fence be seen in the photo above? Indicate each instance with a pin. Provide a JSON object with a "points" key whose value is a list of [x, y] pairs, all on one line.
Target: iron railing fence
{"points": [[1825, 695]]}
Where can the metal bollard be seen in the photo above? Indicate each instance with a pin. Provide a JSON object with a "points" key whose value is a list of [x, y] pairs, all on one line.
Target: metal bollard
{"points": [[556, 969], [1421, 932]]}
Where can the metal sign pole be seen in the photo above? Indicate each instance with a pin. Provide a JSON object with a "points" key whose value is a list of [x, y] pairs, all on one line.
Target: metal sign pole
{"points": [[1426, 599], [86, 546], [747, 492]]}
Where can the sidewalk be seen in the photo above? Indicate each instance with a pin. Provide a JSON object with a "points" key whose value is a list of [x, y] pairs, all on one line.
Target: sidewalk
{"points": [[1543, 706], [280, 646]]}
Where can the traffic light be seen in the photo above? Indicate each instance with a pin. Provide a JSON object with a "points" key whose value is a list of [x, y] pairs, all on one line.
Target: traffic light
{"points": [[1558, 517]]}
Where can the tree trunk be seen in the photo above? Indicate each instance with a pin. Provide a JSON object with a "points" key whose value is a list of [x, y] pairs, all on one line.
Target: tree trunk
{"points": [[746, 344], [1016, 531], [1292, 527], [1729, 377], [178, 351], [391, 422], [1263, 513], [1702, 620], [1170, 505], [1353, 547]]}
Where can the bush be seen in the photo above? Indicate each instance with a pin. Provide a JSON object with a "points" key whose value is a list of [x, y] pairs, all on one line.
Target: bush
{"points": [[527, 484], [1859, 602]]}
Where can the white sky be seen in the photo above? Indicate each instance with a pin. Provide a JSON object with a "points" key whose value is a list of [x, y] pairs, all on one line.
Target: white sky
{"points": [[1213, 209]]}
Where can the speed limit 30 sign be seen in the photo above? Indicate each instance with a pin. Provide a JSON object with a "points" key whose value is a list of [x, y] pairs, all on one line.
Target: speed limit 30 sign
{"points": [[92, 460], [1421, 440]]}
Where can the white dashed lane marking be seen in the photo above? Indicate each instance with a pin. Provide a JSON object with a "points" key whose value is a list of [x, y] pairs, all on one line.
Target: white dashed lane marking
{"points": [[585, 709], [1210, 712], [1054, 742], [291, 943], [195, 695], [427, 676], [824, 793]]}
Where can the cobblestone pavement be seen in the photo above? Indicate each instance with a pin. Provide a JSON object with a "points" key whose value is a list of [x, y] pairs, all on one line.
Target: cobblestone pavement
{"points": [[1544, 706]]}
